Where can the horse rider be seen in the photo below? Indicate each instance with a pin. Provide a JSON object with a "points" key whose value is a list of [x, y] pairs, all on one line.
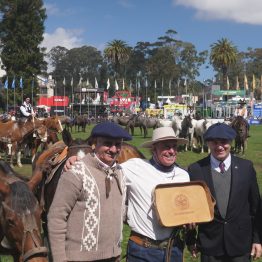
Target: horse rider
{"points": [[241, 111], [86, 216], [26, 109]]}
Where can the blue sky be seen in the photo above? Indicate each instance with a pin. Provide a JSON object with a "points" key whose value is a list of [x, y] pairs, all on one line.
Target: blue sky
{"points": [[201, 22]]}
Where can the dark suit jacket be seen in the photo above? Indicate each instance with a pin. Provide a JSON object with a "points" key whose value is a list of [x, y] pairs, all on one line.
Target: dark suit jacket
{"points": [[235, 234]]}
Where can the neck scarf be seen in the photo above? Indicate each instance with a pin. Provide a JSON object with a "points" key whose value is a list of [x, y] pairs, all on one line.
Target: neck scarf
{"points": [[160, 167]]}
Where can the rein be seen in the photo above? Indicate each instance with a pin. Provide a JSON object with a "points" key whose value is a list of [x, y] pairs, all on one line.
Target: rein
{"points": [[30, 228]]}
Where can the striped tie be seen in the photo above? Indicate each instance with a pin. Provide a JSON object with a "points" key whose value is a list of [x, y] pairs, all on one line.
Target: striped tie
{"points": [[222, 167]]}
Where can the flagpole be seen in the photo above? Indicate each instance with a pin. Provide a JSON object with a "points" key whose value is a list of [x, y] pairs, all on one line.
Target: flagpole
{"points": [[64, 96], [72, 97], [32, 91]]}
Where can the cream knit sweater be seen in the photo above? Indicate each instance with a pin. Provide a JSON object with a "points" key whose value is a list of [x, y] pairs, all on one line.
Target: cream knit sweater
{"points": [[83, 224]]}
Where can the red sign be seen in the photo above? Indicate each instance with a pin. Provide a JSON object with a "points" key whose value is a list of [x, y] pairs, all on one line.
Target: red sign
{"points": [[53, 101]]}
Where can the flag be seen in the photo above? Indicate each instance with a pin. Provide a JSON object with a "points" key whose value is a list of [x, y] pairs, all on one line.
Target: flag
{"points": [[146, 83], [123, 84], [227, 83], [87, 82], [155, 84], [116, 85], [21, 82], [245, 82], [108, 84], [237, 83], [72, 81], [254, 82], [96, 84], [169, 85], [64, 82], [6, 83], [138, 84], [13, 83], [185, 82]]}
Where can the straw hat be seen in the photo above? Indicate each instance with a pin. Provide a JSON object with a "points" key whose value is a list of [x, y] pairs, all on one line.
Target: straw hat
{"points": [[164, 134]]}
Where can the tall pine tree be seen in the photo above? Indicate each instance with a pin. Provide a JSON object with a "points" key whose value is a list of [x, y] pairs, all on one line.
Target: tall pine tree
{"points": [[21, 33]]}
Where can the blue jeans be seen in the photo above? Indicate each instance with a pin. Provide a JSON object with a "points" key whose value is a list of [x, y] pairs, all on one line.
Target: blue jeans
{"points": [[137, 253]]}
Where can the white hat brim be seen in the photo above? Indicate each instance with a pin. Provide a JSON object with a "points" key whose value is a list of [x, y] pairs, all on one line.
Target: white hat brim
{"points": [[180, 141]]}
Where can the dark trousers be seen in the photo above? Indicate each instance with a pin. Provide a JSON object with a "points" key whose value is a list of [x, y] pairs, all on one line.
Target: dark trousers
{"points": [[225, 258], [137, 253]]}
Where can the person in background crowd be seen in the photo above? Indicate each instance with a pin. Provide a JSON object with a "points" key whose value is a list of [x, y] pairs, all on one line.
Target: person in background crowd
{"points": [[85, 218], [233, 235], [241, 111]]}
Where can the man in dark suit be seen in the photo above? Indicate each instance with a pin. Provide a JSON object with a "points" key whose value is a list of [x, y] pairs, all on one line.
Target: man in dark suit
{"points": [[233, 235]]}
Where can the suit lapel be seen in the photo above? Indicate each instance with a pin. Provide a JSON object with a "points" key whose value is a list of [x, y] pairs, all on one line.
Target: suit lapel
{"points": [[233, 196], [208, 177]]}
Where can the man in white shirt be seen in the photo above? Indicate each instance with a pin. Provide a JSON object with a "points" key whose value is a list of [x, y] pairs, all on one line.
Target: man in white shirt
{"points": [[148, 240]]}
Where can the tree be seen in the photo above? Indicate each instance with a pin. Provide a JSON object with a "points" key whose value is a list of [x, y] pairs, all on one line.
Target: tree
{"points": [[21, 33], [223, 55], [117, 52], [85, 61]]}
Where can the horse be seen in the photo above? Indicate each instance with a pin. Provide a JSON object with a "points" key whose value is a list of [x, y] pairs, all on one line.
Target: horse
{"points": [[240, 126], [186, 129], [53, 125], [81, 121], [13, 133], [20, 218]]}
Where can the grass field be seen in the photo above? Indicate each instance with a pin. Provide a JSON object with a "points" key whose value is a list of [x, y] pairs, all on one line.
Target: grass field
{"points": [[253, 152]]}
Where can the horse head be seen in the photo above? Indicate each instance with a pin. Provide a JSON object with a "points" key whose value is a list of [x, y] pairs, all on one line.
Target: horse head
{"points": [[20, 217], [54, 123]]}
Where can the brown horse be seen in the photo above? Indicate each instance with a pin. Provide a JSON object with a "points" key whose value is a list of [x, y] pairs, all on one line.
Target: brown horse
{"points": [[20, 218], [241, 127], [53, 126], [14, 133]]}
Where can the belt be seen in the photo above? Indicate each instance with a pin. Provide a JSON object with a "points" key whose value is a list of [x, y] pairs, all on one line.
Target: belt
{"points": [[151, 243]]}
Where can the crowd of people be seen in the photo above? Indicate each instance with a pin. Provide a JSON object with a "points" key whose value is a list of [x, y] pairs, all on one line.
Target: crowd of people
{"points": [[95, 195]]}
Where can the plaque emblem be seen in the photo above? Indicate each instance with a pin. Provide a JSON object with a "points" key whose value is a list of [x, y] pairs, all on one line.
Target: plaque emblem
{"points": [[181, 202]]}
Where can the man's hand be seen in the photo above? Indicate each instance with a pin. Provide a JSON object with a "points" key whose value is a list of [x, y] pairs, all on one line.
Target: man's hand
{"points": [[193, 250], [256, 251], [69, 162]]}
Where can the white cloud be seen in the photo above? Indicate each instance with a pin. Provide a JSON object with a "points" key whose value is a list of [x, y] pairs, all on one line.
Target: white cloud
{"points": [[240, 11], [62, 37], [51, 9]]}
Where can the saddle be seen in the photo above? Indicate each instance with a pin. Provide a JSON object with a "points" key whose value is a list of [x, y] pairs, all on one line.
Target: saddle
{"points": [[56, 162], [183, 203]]}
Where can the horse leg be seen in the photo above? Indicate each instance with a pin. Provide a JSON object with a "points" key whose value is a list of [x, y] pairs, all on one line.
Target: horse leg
{"points": [[18, 156]]}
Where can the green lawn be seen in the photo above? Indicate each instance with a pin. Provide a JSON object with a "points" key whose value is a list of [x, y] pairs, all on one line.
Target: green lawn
{"points": [[253, 152]]}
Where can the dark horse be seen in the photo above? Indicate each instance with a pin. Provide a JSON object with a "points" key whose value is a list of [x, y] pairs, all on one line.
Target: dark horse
{"points": [[49, 164], [241, 128], [186, 127], [20, 218]]}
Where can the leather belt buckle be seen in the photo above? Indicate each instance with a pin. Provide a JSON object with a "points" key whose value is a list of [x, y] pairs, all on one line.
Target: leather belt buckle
{"points": [[146, 243]]}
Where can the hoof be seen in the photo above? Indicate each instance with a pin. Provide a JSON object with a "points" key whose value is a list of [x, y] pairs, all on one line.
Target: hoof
{"points": [[19, 165]]}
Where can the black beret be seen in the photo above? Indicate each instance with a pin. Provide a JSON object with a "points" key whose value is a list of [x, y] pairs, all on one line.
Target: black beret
{"points": [[220, 131], [110, 129]]}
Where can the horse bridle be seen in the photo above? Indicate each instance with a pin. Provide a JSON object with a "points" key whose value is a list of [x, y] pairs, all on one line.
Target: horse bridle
{"points": [[30, 226]]}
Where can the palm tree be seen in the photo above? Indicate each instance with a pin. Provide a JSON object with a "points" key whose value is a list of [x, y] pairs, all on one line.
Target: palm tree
{"points": [[223, 54], [117, 52]]}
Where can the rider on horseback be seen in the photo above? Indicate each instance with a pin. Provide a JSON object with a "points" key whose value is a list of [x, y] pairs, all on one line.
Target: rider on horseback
{"points": [[241, 111], [26, 109]]}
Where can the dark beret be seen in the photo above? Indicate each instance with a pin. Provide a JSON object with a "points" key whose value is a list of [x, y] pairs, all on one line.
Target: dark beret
{"points": [[110, 129], [219, 131]]}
